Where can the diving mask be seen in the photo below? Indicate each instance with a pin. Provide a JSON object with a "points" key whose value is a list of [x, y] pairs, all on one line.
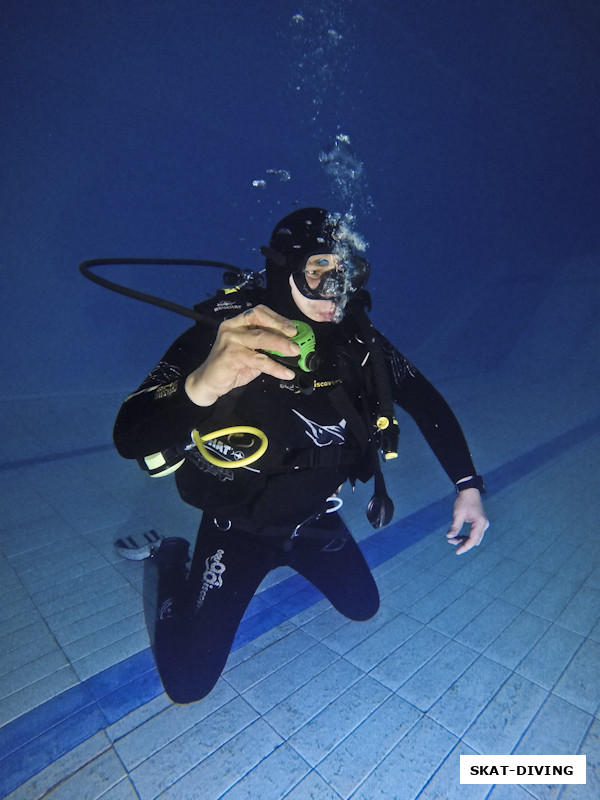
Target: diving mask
{"points": [[326, 276]]}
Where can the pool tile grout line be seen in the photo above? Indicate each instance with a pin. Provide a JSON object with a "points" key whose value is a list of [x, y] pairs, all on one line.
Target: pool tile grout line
{"points": [[95, 703]]}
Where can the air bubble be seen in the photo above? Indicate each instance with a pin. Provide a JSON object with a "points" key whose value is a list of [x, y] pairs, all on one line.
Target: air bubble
{"points": [[282, 174]]}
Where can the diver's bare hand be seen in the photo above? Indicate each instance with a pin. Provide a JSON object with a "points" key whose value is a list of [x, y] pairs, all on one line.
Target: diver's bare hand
{"points": [[235, 358], [468, 508]]}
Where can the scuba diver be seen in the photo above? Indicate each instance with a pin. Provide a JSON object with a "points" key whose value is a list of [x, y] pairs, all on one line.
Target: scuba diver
{"points": [[262, 416]]}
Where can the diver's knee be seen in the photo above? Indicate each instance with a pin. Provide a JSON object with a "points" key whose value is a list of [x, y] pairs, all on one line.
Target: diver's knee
{"points": [[363, 608], [369, 610]]}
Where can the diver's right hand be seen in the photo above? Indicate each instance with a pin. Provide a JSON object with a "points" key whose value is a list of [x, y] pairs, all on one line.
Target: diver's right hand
{"points": [[235, 358]]}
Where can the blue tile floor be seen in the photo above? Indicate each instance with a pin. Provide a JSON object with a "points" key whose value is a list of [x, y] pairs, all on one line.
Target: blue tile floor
{"points": [[497, 651]]}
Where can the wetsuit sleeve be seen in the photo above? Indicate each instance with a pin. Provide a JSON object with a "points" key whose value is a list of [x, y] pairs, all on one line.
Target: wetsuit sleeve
{"points": [[159, 414], [432, 414]]}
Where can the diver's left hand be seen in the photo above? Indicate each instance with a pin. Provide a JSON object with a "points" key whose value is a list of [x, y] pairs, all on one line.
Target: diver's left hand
{"points": [[468, 508]]}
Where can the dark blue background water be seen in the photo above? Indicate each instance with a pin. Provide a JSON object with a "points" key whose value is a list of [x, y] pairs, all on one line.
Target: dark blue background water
{"points": [[137, 128]]}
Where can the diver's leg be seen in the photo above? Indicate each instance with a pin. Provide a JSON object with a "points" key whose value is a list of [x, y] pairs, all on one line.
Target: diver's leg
{"points": [[336, 567], [193, 643]]}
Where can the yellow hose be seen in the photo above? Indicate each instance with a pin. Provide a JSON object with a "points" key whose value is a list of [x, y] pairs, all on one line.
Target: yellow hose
{"points": [[199, 440]]}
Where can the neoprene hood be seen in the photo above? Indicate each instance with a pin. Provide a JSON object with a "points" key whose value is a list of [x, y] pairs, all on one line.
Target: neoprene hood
{"points": [[307, 232]]}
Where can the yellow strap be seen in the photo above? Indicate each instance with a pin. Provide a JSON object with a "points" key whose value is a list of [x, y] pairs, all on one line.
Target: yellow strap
{"points": [[221, 462]]}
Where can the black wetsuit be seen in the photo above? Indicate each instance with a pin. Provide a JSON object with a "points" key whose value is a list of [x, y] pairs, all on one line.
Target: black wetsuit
{"points": [[270, 513]]}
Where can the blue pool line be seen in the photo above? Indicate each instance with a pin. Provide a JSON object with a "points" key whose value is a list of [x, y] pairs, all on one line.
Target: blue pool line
{"points": [[35, 740], [61, 456]]}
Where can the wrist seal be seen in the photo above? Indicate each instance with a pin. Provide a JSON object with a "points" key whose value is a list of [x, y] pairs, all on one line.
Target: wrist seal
{"points": [[475, 482]]}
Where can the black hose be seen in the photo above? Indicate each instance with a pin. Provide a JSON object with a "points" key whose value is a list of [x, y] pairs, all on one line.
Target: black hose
{"points": [[86, 270]]}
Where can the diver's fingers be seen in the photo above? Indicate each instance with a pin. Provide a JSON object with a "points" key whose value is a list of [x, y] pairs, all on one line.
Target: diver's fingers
{"points": [[246, 354], [238, 366], [236, 358], [258, 328], [263, 317], [263, 339], [474, 538], [468, 509], [267, 366], [233, 362]]}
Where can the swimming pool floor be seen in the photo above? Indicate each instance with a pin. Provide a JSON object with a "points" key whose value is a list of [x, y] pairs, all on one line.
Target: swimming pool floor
{"points": [[497, 651]]}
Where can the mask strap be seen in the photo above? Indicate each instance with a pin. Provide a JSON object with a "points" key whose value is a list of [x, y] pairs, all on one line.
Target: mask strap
{"points": [[273, 255]]}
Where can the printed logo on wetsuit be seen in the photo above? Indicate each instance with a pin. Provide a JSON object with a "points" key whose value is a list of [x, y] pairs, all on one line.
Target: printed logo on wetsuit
{"points": [[162, 381], [166, 610], [212, 578], [232, 448], [323, 435], [228, 305], [292, 387]]}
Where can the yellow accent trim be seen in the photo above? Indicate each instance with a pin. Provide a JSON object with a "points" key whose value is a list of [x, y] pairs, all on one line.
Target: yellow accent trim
{"points": [[221, 462], [382, 423], [389, 456], [157, 460]]}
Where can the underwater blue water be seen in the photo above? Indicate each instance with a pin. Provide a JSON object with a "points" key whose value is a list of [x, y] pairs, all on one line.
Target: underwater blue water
{"points": [[138, 129]]}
